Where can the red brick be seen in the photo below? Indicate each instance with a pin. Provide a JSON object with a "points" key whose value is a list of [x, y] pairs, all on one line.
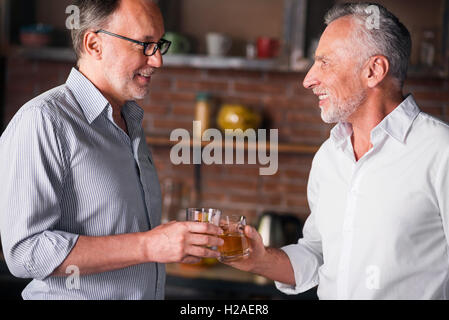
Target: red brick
{"points": [[308, 117], [231, 186], [212, 171], [201, 85], [283, 77], [291, 103], [434, 83], [435, 111], [289, 160], [432, 96], [244, 198], [295, 174], [213, 196], [172, 124], [234, 74], [258, 88], [159, 83], [282, 187], [249, 101], [155, 109], [297, 201], [298, 90], [158, 97], [179, 72], [243, 170], [184, 110], [272, 200]]}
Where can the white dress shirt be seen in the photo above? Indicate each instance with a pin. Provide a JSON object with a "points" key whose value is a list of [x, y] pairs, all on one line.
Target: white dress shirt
{"points": [[378, 227]]}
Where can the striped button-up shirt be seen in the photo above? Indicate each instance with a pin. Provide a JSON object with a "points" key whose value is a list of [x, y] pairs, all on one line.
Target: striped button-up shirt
{"points": [[67, 170]]}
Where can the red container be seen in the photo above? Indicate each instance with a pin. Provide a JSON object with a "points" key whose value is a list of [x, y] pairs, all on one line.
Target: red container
{"points": [[267, 47]]}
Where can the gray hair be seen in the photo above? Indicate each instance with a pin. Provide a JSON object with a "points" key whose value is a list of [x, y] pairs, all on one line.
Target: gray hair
{"points": [[94, 14], [390, 38]]}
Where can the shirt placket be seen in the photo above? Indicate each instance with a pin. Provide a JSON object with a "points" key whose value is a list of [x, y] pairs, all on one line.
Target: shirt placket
{"points": [[348, 230]]}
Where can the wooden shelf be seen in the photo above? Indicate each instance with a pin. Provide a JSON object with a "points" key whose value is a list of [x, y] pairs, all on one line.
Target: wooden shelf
{"points": [[66, 54], [282, 147]]}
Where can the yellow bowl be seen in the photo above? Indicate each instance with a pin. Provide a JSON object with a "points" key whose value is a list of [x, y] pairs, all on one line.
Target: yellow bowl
{"points": [[236, 116]]}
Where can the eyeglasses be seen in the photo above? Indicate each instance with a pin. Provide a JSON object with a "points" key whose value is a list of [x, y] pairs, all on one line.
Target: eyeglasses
{"points": [[149, 48]]}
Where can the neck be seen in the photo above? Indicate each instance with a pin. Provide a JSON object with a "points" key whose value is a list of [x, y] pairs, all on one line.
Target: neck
{"points": [[94, 75], [375, 108]]}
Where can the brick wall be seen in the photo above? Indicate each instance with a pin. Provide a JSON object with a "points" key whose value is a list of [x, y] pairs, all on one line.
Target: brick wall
{"points": [[278, 96]]}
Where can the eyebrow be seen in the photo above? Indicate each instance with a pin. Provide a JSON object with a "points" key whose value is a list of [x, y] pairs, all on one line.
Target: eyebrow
{"points": [[319, 58], [148, 38]]}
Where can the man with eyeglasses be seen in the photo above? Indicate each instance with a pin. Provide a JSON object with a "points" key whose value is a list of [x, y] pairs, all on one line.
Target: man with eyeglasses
{"points": [[80, 206]]}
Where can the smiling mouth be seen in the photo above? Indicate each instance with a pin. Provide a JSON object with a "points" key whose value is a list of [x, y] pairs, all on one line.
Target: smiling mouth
{"points": [[323, 96], [143, 77]]}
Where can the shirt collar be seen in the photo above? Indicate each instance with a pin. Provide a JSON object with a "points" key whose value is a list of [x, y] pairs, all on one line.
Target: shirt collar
{"points": [[396, 124], [340, 133], [131, 110], [90, 99]]}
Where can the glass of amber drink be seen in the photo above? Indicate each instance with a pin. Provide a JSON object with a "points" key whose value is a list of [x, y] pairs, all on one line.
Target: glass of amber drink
{"points": [[208, 215], [235, 244], [203, 215]]}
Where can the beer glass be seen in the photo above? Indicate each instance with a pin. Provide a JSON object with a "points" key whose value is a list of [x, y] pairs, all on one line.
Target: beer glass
{"points": [[235, 244]]}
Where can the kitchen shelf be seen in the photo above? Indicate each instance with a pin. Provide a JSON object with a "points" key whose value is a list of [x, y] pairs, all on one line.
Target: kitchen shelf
{"points": [[44, 53], [203, 61], [66, 54], [282, 147], [170, 60]]}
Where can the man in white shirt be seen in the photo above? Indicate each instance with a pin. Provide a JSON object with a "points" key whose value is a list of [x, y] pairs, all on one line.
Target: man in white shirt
{"points": [[379, 186]]}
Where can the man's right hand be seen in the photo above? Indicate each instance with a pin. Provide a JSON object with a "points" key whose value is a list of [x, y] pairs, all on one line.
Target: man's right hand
{"points": [[184, 242], [257, 252], [268, 262]]}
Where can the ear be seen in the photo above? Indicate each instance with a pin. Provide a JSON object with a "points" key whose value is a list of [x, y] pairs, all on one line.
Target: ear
{"points": [[92, 45], [377, 69]]}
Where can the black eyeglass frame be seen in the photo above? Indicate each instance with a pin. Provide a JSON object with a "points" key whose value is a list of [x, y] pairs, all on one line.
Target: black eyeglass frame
{"points": [[145, 45]]}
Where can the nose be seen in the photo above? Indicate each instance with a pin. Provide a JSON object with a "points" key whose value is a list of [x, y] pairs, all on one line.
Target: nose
{"points": [[155, 60], [311, 79]]}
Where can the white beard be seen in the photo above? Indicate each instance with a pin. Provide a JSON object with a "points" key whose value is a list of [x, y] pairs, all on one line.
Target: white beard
{"points": [[341, 110]]}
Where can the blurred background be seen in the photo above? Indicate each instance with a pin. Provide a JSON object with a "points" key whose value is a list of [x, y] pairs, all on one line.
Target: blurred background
{"points": [[232, 64]]}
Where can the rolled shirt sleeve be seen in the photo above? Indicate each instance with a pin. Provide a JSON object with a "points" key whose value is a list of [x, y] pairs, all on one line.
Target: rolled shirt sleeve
{"points": [[32, 170]]}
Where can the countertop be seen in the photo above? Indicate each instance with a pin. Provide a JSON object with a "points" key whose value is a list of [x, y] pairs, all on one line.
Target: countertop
{"points": [[220, 281]]}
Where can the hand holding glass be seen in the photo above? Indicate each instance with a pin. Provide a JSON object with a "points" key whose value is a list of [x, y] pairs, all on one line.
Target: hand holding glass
{"points": [[235, 244]]}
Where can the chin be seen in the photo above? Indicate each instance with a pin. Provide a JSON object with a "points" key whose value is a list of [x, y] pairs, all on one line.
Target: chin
{"points": [[140, 94]]}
